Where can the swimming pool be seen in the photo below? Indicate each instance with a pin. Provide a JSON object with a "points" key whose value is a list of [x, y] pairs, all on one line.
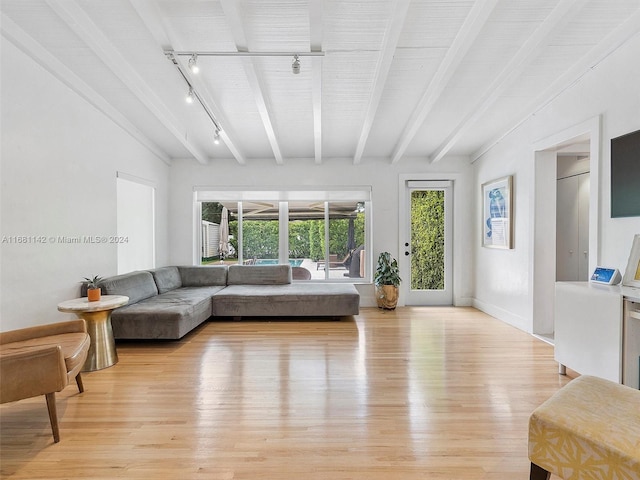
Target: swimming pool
{"points": [[295, 262]]}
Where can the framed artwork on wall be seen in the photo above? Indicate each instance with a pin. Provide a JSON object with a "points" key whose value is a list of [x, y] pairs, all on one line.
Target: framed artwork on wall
{"points": [[497, 213], [632, 273]]}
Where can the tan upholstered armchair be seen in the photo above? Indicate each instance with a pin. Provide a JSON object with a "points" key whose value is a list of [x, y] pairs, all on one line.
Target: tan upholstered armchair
{"points": [[42, 360]]}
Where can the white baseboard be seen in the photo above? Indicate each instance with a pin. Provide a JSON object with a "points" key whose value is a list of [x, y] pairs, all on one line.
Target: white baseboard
{"points": [[503, 315], [463, 302]]}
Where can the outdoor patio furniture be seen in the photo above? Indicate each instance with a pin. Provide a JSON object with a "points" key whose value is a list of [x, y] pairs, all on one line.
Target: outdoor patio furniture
{"points": [[333, 262], [300, 273]]}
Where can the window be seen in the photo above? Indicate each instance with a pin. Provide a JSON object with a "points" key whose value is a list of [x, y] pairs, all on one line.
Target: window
{"points": [[323, 231]]}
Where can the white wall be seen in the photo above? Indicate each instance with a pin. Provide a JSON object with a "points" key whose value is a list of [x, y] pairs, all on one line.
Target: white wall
{"points": [[58, 177], [379, 174], [503, 279]]}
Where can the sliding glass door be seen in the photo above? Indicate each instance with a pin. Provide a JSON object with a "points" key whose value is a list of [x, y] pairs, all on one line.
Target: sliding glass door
{"points": [[323, 232]]}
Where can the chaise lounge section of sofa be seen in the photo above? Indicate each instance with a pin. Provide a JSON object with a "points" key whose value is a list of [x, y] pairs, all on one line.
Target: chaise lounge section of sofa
{"points": [[169, 302], [267, 291]]}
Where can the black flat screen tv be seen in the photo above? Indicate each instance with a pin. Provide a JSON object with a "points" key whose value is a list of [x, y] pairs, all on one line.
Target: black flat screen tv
{"points": [[625, 175]]}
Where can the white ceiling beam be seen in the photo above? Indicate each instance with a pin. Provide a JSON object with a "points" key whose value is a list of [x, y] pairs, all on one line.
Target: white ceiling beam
{"points": [[149, 13], [151, 16], [41, 55], [234, 20], [584, 65], [315, 43], [385, 59], [258, 89], [82, 25], [561, 14], [466, 37]]}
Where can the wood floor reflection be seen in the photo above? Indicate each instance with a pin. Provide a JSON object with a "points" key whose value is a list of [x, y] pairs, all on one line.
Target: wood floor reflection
{"points": [[415, 393]]}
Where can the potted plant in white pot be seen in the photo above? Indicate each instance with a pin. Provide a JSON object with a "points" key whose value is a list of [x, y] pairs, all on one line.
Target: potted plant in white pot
{"points": [[387, 280], [93, 291]]}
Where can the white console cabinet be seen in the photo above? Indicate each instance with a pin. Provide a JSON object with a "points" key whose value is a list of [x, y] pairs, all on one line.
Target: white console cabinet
{"points": [[597, 330]]}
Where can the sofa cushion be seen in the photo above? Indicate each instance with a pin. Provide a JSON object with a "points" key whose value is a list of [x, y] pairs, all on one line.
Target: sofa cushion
{"points": [[135, 285], [166, 278], [168, 316], [259, 275], [203, 276], [297, 299]]}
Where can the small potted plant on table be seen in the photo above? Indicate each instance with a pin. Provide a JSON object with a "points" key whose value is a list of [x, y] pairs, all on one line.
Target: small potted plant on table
{"points": [[93, 291], [387, 280]]}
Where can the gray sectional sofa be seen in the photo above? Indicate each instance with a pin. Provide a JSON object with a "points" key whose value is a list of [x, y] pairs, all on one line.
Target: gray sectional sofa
{"points": [[169, 302]]}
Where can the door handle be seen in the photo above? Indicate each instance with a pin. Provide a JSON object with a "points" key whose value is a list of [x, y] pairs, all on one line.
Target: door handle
{"points": [[406, 253]]}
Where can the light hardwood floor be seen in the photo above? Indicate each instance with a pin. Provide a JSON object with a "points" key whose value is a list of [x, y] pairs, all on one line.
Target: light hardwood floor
{"points": [[415, 393]]}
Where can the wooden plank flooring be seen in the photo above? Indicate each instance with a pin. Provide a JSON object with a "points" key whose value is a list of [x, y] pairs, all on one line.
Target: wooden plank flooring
{"points": [[415, 393]]}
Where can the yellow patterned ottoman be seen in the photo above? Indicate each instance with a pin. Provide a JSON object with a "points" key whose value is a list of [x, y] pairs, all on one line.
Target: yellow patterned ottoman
{"points": [[589, 429]]}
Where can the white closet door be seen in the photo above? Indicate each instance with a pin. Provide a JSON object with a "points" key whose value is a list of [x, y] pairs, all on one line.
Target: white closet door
{"points": [[583, 226], [572, 228]]}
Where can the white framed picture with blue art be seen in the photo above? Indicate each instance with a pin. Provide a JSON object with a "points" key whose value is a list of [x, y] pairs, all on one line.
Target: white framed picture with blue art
{"points": [[497, 213]]}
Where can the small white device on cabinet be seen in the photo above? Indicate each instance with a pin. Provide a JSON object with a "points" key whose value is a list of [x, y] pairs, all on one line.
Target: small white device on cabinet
{"points": [[606, 275]]}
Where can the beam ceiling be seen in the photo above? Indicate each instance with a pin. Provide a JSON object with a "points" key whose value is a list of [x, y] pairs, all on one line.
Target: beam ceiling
{"points": [[391, 79]]}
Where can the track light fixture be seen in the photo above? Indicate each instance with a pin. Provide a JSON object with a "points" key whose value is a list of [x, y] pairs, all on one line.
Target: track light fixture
{"points": [[295, 65], [193, 64], [193, 94], [193, 68]]}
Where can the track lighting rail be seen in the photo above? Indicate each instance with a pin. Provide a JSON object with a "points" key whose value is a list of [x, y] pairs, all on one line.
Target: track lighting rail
{"points": [[241, 54], [194, 93]]}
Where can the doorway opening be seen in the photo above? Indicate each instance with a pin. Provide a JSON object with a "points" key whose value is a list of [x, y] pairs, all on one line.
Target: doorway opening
{"points": [[579, 141]]}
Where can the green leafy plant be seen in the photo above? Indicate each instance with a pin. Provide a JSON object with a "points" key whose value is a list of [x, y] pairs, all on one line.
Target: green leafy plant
{"points": [[92, 282], [387, 272]]}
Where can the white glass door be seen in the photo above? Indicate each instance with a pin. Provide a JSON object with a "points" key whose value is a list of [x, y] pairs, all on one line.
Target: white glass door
{"points": [[426, 250]]}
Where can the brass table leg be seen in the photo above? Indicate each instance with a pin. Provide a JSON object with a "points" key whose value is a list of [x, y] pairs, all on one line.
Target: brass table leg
{"points": [[102, 350]]}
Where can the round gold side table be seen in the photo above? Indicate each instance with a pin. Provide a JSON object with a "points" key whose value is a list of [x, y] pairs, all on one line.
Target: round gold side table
{"points": [[102, 349]]}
